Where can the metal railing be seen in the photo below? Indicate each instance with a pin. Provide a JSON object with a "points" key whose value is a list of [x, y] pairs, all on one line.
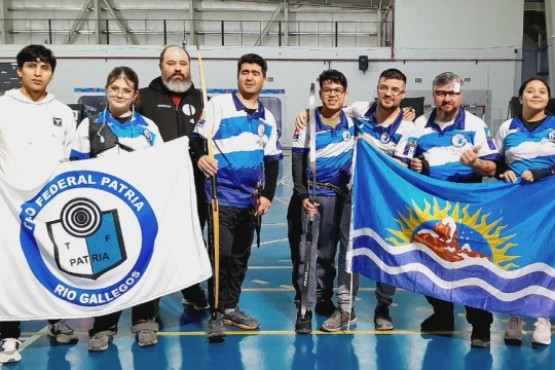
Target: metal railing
{"points": [[208, 32]]}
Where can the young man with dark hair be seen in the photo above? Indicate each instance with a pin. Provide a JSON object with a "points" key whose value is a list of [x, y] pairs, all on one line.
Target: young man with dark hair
{"points": [[323, 197], [246, 155], [36, 131]]}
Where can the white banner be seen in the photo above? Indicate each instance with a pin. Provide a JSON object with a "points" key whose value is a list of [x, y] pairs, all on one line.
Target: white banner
{"points": [[101, 235]]}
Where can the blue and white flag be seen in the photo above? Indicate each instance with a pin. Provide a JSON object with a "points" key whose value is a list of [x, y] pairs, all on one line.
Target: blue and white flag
{"points": [[488, 245], [101, 235]]}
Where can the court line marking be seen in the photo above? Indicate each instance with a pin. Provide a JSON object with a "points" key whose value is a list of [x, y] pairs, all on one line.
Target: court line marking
{"points": [[26, 342], [454, 333]]}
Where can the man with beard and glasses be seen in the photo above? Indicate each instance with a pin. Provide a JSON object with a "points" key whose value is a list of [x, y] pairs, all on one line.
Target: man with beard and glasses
{"points": [[388, 127], [172, 101], [454, 145]]}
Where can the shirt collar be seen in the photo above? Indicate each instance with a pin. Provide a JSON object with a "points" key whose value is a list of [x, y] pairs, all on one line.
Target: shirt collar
{"points": [[240, 106]]}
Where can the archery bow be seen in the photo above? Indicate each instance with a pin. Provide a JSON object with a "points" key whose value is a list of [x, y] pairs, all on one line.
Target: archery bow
{"points": [[214, 214], [310, 218]]}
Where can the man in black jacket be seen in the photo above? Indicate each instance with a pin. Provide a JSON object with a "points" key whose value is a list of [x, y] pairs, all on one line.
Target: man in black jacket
{"points": [[172, 101]]}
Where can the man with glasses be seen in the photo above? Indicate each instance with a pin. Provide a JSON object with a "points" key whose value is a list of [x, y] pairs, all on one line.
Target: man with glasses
{"points": [[382, 124], [454, 145], [334, 146]]}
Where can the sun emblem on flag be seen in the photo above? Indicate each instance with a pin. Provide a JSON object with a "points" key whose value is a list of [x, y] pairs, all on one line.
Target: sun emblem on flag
{"points": [[454, 233]]}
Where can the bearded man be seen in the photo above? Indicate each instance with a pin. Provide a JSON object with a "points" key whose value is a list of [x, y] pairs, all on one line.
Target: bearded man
{"points": [[172, 101]]}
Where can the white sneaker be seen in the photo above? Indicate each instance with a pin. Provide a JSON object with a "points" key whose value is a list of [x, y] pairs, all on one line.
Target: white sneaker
{"points": [[99, 342], [10, 351], [542, 332]]}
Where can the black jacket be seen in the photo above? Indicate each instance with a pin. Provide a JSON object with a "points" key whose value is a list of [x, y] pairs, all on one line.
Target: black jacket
{"points": [[173, 122]]}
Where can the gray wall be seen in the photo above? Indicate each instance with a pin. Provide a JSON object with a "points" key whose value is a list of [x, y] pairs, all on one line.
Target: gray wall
{"points": [[475, 38]]}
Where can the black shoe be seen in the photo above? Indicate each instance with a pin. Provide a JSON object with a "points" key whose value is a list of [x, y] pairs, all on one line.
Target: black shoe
{"points": [[480, 337], [438, 322], [196, 297], [382, 320], [325, 308], [303, 325], [216, 328]]}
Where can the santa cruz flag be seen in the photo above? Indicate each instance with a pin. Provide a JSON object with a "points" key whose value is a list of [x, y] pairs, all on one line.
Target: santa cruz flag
{"points": [[101, 235], [488, 245]]}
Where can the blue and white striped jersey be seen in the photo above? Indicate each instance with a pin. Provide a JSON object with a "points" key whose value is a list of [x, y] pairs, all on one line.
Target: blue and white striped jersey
{"points": [[524, 150], [242, 143], [392, 139], [334, 151], [138, 133], [442, 147]]}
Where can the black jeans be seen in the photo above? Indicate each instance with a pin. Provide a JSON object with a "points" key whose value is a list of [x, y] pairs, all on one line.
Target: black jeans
{"points": [[294, 232], [474, 316], [12, 329], [236, 237]]}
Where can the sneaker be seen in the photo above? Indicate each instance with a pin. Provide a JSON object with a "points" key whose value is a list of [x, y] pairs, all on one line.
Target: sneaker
{"points": [[480, 336], [436, 322], [146, 337], [382, 320], [63, 333], [216, 328], [338, 320], [542, 332], [195, 297], [325, 308], [99, 342], [241, 319], [10, 351], [303, 325], [513, 333]]}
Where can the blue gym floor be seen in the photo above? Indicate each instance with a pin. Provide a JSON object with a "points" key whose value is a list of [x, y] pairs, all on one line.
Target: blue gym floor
{"points": [[267, 295]]}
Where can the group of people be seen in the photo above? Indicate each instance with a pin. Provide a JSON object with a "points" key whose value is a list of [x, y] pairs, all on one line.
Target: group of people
{"points": [[449, 144], [170, 107]]}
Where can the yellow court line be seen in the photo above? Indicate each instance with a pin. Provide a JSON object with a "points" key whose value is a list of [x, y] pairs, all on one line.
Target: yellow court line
{"points": [[320, 332], [340, 332], [267, 332], [456, 333], [288, 289]]}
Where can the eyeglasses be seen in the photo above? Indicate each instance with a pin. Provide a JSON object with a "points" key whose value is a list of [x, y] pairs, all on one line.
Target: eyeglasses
{"points": [[443, 94], [328, 91], [125, 92], [393, 90]]}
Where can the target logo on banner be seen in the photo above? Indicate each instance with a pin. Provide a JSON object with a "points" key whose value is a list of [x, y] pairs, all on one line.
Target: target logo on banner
{"points": [[88, 236], [87, 241]]}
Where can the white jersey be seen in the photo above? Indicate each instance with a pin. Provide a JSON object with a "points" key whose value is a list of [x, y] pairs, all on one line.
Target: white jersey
{"points": [[34, 138]]}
